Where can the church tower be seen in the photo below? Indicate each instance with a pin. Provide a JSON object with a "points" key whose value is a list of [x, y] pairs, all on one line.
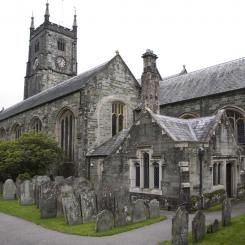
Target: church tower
{"points": [[52, 55], [150, 82]]}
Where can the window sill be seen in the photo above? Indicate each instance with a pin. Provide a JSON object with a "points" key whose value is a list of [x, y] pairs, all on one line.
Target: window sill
{"points": [[217, 187], [146, 191]]}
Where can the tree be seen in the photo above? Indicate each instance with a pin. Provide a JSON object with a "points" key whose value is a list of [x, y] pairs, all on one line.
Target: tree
{"points": [[33, 153]]}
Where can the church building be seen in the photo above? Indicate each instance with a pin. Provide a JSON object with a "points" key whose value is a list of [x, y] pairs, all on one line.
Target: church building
{"points": [[155, 136]]}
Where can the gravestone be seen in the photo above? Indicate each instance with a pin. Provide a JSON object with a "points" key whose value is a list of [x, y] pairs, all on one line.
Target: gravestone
{"points": [[48, 200], [63, 190], [80, 185], [154, 209], [121, 218], [17, 184], [1, 187], [226, 212], [37, 182], [59, 179], [26, 193], [198, 226], [88, 206], [71, 209], [213, 227], [180, 227], [9, 190], [139, 211], [104, 221]]}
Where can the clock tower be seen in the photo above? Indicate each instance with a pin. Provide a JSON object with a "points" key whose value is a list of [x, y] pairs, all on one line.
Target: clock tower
{"points": [[52, 55]]}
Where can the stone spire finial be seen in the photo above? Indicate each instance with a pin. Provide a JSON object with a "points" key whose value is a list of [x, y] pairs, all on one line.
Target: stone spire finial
{"points": [[184, 71], [74, 26], [46, 16], [117, 52], [32, 23]]}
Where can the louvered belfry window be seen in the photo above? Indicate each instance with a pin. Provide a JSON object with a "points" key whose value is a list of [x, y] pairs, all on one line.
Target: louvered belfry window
{"points": [[146, 170]]}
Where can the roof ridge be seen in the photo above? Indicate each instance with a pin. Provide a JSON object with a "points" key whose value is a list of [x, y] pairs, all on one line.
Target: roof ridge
{"points": [[202, 69]]}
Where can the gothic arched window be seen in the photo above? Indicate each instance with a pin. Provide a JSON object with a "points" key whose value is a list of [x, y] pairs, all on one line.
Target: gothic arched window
{"points": [[137, 174], [61, 45], [117, 117], [2, 134], [156, 175], [36, 124], [219, 174], [146, 170], [36, 46], [214, 174], [16, 132], [66, 134], [237, 123]]}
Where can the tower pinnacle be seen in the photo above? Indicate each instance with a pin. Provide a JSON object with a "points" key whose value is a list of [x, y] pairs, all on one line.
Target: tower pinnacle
{"points": [[46, 16], [32, 23]]}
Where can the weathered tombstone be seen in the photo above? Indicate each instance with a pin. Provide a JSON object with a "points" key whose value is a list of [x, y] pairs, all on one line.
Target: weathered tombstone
{"points": [[80, 185], [26, 193], [9, 190], [180, 227], [58, 179], [48, 200], [139, 211], [17, 184], [104, 221], [198, 226], [154, 209], [226, 212], [1, 187], [88, 206], [121, 218], [213, 227], [63, 190], [38, 181], [71, 209]]}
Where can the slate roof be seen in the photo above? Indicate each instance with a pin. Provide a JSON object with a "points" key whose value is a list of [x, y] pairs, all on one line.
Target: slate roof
{"points": [[209, 81], [188, 130], [61, 89], [110, 145]]}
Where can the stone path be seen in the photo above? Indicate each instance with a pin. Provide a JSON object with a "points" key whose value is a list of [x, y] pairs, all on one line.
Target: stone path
{"points": [[15, 231]]}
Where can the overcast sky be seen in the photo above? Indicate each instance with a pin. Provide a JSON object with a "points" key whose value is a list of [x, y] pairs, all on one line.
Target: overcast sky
{"points": [[197, 33]]}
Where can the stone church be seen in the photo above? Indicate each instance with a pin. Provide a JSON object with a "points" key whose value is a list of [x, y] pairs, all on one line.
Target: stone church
{"points": [[155, 136]]}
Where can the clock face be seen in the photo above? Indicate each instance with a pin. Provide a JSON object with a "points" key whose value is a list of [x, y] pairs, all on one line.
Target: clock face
{"points": [[60, 62], [35, 64]]}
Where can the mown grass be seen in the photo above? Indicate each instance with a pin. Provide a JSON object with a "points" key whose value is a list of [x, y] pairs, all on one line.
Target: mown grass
{"points": [[214, 208], [229, 235], [31, 213]]}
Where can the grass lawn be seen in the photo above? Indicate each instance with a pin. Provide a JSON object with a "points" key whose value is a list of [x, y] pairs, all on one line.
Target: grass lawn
{"points": [[31, 213], [214, 208], [230, 235]]}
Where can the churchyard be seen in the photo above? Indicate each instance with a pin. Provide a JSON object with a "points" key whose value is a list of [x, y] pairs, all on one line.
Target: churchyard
{"points": [[72, 206]]}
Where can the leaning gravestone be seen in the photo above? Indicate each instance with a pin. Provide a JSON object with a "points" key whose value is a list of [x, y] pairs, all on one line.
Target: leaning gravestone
{"points": [[154, 208], [71, 209], [48, 200], [26, 193], [37, 182], [180, 227], [104, 221], [17, 184], [88, 205], [9, 190], [63, 190], [139, 211], [226, 212], [198, 226]]}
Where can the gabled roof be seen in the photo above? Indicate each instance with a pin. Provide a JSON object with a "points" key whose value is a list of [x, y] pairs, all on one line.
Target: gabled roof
{"points": [[64, 88], [110, 145], [209, 81], [188, 130], [61, 89]]}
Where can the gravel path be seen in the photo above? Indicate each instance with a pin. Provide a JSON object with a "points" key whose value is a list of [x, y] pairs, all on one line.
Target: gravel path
{"points": [[15, 231]]}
